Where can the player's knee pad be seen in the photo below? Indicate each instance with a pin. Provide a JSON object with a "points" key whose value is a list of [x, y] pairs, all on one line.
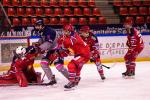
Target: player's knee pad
{"points": [[132, 65]]}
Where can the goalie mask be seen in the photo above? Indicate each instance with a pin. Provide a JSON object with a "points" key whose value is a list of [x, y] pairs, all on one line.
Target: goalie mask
{"points": [[20, 50]]}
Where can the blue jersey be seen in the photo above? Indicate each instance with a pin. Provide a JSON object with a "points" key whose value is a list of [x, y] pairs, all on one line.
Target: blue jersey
{"points": [[48, 34]]}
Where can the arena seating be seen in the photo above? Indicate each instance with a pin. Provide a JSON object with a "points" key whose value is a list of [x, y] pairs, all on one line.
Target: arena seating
{"points": [[33, 20], [25, 21], [44, 3], [123, 11], [102, 20], [48, 12], [73, 20], [53, 12], [63, 21], [54, 21], [148, 19], [92, 20], [20, 11], [67, 12], [91, 3], [25, 3], [139, 20], [63, 3], [16, 21], [46, 21], [136, 10]]}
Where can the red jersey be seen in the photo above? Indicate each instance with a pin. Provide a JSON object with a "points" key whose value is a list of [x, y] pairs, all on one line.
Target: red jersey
{"points": [[24, 62], [92, 41], [76, 43], [135, 41]]}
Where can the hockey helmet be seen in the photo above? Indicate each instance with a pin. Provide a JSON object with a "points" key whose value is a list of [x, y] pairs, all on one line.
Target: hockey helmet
{"points": [[68, 27], [20, 50], [39, 22], [85, 29]]}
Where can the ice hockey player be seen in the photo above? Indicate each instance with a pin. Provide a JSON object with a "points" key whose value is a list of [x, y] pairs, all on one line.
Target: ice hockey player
{"points": [[48, 44], [56, 57], [21, 70], [70, 39], [92, 41], [136, 45]]}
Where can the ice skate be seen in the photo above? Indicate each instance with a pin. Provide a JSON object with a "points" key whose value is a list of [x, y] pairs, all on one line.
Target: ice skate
{"points": [[70, 86], [131, 75], [77, 80], [103, 77], [128, 75], [53, 81], [124, 74]]}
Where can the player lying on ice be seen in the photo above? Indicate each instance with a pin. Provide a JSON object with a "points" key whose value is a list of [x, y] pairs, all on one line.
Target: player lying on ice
{"points": [[21, 70]]}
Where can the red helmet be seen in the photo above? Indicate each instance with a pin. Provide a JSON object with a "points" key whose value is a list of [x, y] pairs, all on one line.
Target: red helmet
{"points": [[85, 28], [129, 22], [68, 27]]}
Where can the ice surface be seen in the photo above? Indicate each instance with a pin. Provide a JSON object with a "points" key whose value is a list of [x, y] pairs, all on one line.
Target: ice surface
{"points": [[90, 87]]}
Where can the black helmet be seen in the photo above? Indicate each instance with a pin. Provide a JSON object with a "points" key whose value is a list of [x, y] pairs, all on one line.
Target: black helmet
{"points": [[39, 22]]}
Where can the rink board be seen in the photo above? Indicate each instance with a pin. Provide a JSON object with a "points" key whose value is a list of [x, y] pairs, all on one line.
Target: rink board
{"points": [[112, 49]]}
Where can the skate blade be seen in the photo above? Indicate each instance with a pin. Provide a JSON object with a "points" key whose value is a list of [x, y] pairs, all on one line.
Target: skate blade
{"points": [[128, 77], [53, 86], [123, 76], [103, 80], [69, 89]]}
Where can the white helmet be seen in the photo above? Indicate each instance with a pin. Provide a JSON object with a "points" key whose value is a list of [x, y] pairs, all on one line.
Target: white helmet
{"points": [[20, 50]]}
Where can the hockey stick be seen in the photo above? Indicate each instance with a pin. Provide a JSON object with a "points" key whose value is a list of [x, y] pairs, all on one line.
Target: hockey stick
{"points": [[110, 66], [30, 84], [43, 78], [105, 66]]}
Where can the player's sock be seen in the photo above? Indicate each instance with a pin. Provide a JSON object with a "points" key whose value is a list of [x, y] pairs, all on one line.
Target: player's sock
{"points": [[100, 71], [62, 70], [47, 70], [132, 69], [124, 74]]}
